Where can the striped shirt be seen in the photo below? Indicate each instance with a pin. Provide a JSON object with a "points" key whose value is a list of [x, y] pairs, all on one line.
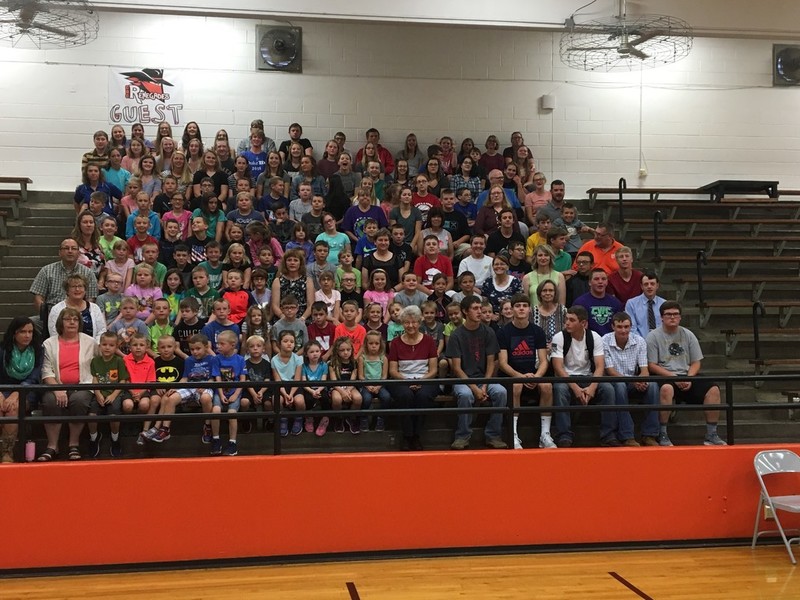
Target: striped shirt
{"points": [[625, 360]]}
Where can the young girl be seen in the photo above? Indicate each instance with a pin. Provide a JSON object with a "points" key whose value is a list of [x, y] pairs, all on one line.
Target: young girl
{"points": [[378, 291], [439, 297], [173, 291], [118, 139], [151, 182], [372, 365], [506, 313], [287, 366], [436, 227], [122, 264], [183, 217], [315, 370], [255, 323], [300, 241], [136, 150], [374, 320], [145, 291], [261, 292], [330, 296], [259, 236], [128, 202], [394, 327], [236, 258], [343, 368], [236, 236]]}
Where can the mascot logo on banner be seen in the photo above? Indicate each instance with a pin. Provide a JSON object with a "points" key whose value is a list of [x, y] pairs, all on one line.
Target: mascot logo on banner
{"points": [[144, 96]]}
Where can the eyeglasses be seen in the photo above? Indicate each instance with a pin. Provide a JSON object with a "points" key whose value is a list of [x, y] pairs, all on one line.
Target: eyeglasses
{"points": [[583, 262], [672, 315]]}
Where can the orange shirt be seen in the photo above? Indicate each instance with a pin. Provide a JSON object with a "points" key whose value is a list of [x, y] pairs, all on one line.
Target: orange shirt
{"points": [[142, 371], [603, 259], [356, 334]]}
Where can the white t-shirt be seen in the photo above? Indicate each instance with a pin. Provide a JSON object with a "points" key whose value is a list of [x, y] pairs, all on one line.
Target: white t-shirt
{"points": [[481, 268], [577, 360]]}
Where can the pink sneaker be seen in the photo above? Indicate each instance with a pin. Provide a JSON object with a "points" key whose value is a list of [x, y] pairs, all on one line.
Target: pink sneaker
{"points": [[322, 428], [309, 426]]}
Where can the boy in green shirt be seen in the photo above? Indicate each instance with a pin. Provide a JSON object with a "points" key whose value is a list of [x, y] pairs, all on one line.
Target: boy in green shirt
{"points": [[161, 326], [107, 368], [205, 294]]}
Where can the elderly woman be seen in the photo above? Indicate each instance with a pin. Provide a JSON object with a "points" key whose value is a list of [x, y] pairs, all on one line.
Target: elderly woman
{"points": [[93, 323], [413, 357], [67, 361], [20, 365], [549, 314]]}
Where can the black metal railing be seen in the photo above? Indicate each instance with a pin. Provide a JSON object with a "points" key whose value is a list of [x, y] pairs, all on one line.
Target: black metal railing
{"points": [[623, 185], [658, 218], [727, 405]]}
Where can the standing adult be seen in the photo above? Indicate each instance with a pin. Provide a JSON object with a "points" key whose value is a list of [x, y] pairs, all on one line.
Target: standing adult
{"points": [[20, 365], [412, 358], [67, 361], [472, 350], [48, 285]]}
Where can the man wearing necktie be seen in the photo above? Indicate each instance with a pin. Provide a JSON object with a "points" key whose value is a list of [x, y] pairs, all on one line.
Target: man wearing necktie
{"points": [[644, 308]]}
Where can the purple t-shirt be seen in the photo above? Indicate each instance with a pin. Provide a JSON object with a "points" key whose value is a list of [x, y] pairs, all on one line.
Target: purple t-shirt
{"points": [[355, 218], [600, 311]]}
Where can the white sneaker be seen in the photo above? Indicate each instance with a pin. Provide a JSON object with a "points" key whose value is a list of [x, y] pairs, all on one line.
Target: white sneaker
{"points": [[517, 443], [546, 440]]}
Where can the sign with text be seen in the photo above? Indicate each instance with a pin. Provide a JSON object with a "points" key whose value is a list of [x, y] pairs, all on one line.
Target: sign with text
{"points": [[146, 96]]}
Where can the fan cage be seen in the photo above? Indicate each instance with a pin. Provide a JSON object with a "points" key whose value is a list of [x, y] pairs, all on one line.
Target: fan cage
{"points": [[595, 45], [62, 24]]}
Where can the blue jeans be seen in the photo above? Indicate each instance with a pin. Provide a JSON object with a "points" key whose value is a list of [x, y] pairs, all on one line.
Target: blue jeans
{"points": [[622, 391], [464, 398], [383, 395], [562, 396]]}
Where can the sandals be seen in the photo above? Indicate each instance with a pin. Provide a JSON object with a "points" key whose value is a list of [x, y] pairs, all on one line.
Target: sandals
{"points": [[48, 455], [74, 453]]}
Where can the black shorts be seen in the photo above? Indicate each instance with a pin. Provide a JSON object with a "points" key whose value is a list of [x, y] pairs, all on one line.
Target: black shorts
{"points": [[695, 394]]}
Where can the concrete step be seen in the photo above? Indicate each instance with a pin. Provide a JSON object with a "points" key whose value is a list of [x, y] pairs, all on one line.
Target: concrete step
{"points": [[11, 273], [36, 259], [49, 250]]}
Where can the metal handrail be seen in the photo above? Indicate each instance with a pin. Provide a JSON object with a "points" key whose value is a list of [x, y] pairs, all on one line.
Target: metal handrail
{"points": [[623, 185], [658, 218], [699, 262], [758, 311]]}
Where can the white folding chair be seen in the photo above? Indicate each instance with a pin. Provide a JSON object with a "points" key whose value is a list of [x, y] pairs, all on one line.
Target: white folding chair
{"points": [[773, 462]]}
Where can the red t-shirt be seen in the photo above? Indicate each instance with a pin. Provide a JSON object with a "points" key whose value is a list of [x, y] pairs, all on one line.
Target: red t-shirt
{"points": [[412, 361], [625, 290], [69, 368], [141, 371], [239, 302], [322, 335], [424, 204], [425, 269]]}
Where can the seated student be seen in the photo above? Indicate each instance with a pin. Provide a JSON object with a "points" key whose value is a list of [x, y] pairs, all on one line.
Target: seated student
{"points": [[141, 369], [433, 327], [244, 214], [346, 261], [289, 306], [557, 240], [366, 243], [329, 296], [150, 258], [169, 242], [160, 326], [466, 283], [238, 299], [231, 368], [321, 330], [578, 351], [282, 226], [203, 292], [287, 366], [213, 264], [349, 292], [673, 351], [500, 238], [599, 305], [221, 322], [350, 326], [575, 227], [626, 282], [410, 295], [140, 238], [538, 237], [259, 370], [477, 262], [343, 367], [109, 368], [472, 349], [518, 267], [109, 302], [320, 264], [153, 220], [401, 249], [644, 308], [431, 263], [466, 206], [169, 369], [523, 353], [191, 324], [198, 241], [578, 284], [275, 194], [127, 324]]}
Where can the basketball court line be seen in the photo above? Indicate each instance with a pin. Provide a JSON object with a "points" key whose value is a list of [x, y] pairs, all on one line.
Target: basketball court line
{"points": [[629, 585], [351, 587]]}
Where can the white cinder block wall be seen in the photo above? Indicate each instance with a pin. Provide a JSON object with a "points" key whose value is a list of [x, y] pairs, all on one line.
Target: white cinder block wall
{"points": [[713, 115]]}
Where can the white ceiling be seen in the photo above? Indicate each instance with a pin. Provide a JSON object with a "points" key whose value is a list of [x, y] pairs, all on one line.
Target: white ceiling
{"points": [[746, 18]]}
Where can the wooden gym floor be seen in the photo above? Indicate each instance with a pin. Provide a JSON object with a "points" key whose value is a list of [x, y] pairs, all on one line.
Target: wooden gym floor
{"points": [[706, 574]]}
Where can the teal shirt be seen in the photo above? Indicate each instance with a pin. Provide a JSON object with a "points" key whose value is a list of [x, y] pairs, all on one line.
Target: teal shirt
{"points": [[562, 262]]}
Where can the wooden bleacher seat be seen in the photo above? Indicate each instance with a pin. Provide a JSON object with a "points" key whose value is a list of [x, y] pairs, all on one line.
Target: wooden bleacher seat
{"points": [[21, 182], [710, 240], [763, 366], [734, 262], [757, 282], [785, 308], [652, 192], [793, 396], [669, 208], [770, 333], [755, 224]]}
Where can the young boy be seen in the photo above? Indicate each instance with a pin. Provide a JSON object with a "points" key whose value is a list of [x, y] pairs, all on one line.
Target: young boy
{"points": [[170, 240], [282, 226], [259, 370], [313, 219], [289, 306], [220, 323], [466, 283], [488, 316], [127, 325], [400, 248], [346, 266], [267, 259], [143, 209], [191, 324], [350, 327], [150, 257], [349, 292], [433, 262], [366, 243], [410, 295], [238, 299], [466, 206], [538, 237], [557, 239], [141, 369], [181, 258], [321, 329], [169, 368], [213, 264], [320, 264], [434, 328], [97, 207], [243, 214], [107, 368], [575, 227], [163, 202], [204, 293], [231, 368], [160, 326], [140, 238], [108, 229], [109, 301], [301, 201], [517, 265], [198, 241], [275, 195]]}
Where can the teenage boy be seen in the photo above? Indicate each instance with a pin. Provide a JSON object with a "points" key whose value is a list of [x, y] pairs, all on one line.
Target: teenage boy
{"points": [[472, 349], [163, 202], [517, 265], [578, 284], [100, 154], [282, 226], [577, 352], [231, 368], [599, 305], [400, 248], [499, 239], [313, 219], [350, 327], [289, 307], [455, 222], [141, 369], [256, 155], [626, 282], [557, 240], [107, 368], [523, 353]]}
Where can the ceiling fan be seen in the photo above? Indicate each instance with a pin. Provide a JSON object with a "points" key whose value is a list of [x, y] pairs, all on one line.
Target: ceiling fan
{"points": [[624, 42], [47, 23]]}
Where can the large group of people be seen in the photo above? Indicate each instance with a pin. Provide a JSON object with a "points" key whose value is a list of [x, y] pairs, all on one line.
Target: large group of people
{"points": [[194, 262]]}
